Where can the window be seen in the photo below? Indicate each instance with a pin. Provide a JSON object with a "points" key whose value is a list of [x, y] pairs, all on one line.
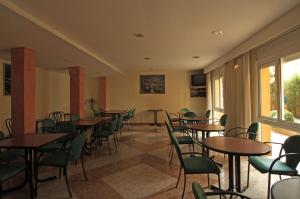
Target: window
{"points": [[6, 79], [280, 92], [218, 102]]}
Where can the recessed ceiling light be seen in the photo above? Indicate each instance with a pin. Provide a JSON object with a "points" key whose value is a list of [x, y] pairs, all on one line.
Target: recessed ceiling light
{"points": [[217, 32], [139, 35], [236, 66], [196, 57], [147, 58]]}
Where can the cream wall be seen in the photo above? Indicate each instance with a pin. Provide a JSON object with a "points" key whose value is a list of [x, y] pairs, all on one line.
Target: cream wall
{"points": [[123, 92], [52, 93]]}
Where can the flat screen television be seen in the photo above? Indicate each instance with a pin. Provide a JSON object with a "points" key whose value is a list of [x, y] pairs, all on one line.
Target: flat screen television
{"points": [[198, 80]]}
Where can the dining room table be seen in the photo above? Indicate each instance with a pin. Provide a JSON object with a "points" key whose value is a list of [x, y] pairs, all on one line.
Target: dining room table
{"points": [[235, 147], [115, 112], [30, 142]]}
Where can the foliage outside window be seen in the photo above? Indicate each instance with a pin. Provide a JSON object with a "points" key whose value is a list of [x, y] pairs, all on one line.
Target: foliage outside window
{"points": [[280, 90], [218, 100]]}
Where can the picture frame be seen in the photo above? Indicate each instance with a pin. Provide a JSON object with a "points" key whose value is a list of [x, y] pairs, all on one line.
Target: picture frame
{"points": [[6, 79], [152, 84]]}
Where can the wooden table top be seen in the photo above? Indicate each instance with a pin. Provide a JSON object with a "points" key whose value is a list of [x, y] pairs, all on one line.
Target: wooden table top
{"points": [[33, 140], [197, 118], [85, 122], [205, 127], [155, 110], [236, 146], [98, 119], [115, 111]]}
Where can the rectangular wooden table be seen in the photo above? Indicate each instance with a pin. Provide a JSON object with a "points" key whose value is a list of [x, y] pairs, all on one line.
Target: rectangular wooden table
{"points": [[30, 143], [115, 112]]}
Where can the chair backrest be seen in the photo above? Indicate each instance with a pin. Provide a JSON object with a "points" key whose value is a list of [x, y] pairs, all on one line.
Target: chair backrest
{"points": [[223, 120], [57, 116], [74, 117], [48, 125], [169, 129], [291, 145], [65, 127], [207, 114], [198, 191], [8, 125], [177, 148], [184, 110], [77, 145], [190, 114], [168, 116], [2, 135], [119, 122], [252, 131]]}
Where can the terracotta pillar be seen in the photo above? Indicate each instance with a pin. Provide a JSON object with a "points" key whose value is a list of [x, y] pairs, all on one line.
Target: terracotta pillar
{"points": [[23, 91], [77, 91], [102, 93]]}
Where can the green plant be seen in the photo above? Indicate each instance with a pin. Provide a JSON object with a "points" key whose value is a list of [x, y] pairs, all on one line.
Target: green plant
{"points": [[288, 116]]}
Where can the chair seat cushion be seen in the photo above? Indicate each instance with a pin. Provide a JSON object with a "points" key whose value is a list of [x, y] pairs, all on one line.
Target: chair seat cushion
{"points": [[9, 170], [11, 154], [185, 140], [178, 128], [262, 164], [199, 164], [57, 159]]}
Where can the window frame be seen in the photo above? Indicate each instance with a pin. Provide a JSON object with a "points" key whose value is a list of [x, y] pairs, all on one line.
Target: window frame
{"points": [[279, 121], [219, 109]]}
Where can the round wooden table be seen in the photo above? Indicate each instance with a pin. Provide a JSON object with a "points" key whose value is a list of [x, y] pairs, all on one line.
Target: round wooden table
{"points": [[286, 189], [155, 111], [194, 119], [235, 147]]}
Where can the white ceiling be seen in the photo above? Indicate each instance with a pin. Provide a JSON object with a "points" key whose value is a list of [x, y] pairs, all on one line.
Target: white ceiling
{"points": [[98, 34]]}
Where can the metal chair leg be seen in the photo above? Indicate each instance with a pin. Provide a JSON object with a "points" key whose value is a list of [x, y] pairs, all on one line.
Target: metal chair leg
{"points": [[83, 167], [178, 177], [248, 174], [184, 184], [108, 146], [269, 184], [171, 156], [67, 182]]}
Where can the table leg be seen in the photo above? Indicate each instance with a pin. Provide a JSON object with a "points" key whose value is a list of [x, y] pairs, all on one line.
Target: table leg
{"points": [[29, 171], [230, 172], [238, 173], [35, 171]]}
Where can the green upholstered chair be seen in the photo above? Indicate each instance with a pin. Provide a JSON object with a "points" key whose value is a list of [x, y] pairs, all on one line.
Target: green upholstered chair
{"points": [[103, 133], [8, 123], [200, 194], [11, 154], [74, 117], [62, 158], [127, 118], [62, 127], [276, 166], [184, 110], [207, 114], [190, 114], [118, 128], [57, 116], [194, 163], [177, 127], [182, 140], [8, 171], [48, 125]]}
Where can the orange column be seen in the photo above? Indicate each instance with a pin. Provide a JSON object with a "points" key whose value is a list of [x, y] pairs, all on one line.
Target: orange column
{"points": [[23, 91], [102, 93], [77, 91]]}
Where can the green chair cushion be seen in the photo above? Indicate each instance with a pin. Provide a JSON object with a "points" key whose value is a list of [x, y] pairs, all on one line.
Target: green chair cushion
{"points": [[263, 164], [179, 128], [57, 159], [198, 191], [11, 154], [9, 170], [185, 140], [199, 164]]}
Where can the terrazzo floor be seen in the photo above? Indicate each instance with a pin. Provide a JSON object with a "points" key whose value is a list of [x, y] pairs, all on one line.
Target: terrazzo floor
{"points": [[139, 168]]}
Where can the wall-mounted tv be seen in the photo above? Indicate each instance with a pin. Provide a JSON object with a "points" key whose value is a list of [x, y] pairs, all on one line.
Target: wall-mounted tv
{"points": [[198, 80]]}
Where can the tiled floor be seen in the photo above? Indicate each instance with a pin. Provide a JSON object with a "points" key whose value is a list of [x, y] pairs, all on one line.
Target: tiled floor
{"points": [[139, 168]]}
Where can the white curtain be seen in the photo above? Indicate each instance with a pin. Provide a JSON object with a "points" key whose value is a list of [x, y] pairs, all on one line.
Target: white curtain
{"points": [[209, 102], [237, 92]]}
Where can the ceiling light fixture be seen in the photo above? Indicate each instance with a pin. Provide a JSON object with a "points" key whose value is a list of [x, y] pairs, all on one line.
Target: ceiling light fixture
{"points": [[138, 35], [147, 58], [196, 57], [217, 32], [236, 66]]}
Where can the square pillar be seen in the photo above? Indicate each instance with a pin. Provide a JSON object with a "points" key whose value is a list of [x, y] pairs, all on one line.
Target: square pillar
{"points": [[23, 91], [102, 93], [77, 80]]}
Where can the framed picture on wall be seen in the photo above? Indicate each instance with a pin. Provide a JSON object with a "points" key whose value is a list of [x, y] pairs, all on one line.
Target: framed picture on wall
{"points": [[152, 84], [6, 79]]}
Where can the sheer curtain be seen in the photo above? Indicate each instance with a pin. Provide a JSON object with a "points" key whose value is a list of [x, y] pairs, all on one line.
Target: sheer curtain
{"points": [[237, 92]]}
